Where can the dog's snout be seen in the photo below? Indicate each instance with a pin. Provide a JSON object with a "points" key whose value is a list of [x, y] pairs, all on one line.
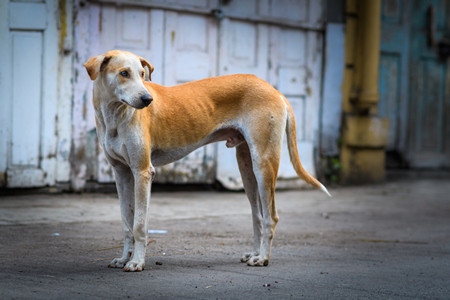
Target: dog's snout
{"points": [[146, 99]]}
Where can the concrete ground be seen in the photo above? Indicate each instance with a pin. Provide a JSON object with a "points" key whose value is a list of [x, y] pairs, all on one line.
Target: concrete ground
{"points": [[388, 241]]}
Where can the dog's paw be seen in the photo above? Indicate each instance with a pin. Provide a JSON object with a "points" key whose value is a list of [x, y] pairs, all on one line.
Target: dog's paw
{"points": [[134, 266], [118, 263], [248, 255], [257, 261]]}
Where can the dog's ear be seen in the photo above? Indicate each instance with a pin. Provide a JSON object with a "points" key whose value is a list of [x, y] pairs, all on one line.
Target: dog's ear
{"points": [[145, 63], [95, 65]]}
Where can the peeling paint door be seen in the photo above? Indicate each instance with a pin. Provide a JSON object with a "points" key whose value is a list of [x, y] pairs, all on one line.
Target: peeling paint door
{"points": [[190, 54], [415, 82], [114, 27], [182, 46], [279, 42], [28, 93], [394, 67], [429, 110], [185, 40]]}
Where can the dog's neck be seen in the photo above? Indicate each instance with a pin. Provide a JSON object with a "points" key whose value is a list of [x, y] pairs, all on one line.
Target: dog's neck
{"points": [[111, 114]]}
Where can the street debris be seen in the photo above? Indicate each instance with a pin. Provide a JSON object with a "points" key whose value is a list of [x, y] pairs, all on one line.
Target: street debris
{"points": [[157, 231]]}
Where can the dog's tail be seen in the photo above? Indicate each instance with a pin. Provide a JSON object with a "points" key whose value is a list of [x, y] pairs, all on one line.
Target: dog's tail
{"points": [[291, 134]]}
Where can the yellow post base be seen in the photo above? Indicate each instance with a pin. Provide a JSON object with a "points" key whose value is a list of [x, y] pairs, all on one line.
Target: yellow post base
{"points": [[363, 149], [362, 165], [365, 131]]}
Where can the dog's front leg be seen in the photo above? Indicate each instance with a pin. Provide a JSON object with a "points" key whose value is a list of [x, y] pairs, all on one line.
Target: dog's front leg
{"points": [[142, 188], [125, 190]]}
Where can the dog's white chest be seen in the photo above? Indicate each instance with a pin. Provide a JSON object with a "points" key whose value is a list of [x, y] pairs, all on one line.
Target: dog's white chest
{"points": [[115, 149]]}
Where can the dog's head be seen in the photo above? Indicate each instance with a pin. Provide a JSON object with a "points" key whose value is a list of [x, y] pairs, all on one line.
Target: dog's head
{"points": [[122, 75]]}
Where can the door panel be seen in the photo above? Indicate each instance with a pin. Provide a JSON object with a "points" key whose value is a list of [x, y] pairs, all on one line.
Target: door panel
{"points": [[415, 82], [430, 102], [190, 54], [292, 73], [118, 30], [185, 44], [394, 67], [29, 58], [285, 57], [182, 47], [26, 112], [243, 48], [429, 113], [27, 15], [289, 9], [190, 47], [137, 30], [389, 106]]}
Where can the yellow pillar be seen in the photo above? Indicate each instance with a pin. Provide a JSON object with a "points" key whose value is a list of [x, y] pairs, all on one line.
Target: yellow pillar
{"points": [[364, 135], [370, 15]]}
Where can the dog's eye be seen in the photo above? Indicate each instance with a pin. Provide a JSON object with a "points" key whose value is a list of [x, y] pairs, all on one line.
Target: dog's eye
{"points": [[124, 73], [143, 74]]}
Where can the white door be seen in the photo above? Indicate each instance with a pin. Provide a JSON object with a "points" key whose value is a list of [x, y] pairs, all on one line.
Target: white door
{"points": [[112, 27], [28, 93], [190, 53], [279, 41], [182, 46]]}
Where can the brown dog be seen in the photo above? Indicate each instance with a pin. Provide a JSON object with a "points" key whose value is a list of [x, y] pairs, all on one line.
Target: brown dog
{"points": [[243, 110]]}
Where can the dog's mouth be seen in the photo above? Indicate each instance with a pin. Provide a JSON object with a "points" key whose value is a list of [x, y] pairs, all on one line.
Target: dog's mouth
{"points": [[129, 104]]}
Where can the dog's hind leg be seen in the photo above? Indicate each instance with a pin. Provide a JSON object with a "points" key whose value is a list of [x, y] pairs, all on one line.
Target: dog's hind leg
{"points": [[265, 147], [125, 189], [266, 171], [244, 160]]}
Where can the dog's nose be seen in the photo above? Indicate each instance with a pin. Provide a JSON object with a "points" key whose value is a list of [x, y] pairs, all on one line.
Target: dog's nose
{"points": [[146, 99]]}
